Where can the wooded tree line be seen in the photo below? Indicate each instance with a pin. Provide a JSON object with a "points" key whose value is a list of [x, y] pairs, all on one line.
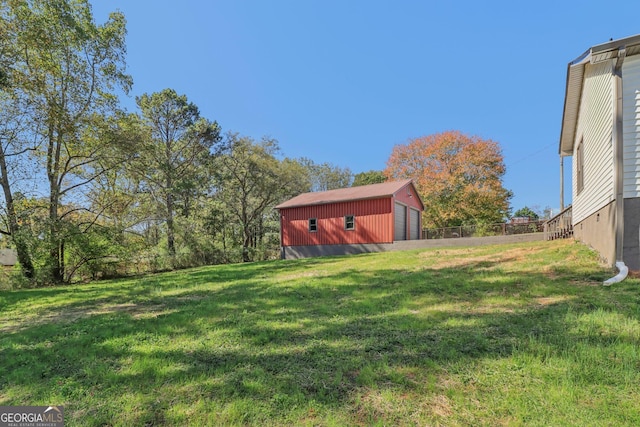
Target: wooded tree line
{"points": [[88, 186], [91, 190]]}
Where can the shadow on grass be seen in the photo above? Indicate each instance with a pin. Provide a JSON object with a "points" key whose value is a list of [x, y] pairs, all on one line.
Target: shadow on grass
{"points": [[232, 333]]}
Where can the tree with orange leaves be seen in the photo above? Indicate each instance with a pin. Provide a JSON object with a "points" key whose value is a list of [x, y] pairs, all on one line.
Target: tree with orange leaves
{"points": [[459, 178]]}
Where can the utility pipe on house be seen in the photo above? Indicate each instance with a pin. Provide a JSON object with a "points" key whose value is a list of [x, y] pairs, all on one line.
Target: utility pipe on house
{"points": [[623, 270]]}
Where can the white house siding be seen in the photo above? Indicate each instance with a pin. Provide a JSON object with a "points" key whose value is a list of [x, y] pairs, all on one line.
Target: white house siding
{"points": [[595, 129], [631, 125]]}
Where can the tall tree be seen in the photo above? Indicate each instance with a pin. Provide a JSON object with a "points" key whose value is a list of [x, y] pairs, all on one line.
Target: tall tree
{"points": [[526, 212], [369, 177], [458, 176], [8, 48], [325, 176], [172, 159], [15, 123], [250, 181], [113, 208], [68, 68]]}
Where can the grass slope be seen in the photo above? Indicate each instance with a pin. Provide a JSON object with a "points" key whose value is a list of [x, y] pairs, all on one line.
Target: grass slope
{"points": [[500, 335]]}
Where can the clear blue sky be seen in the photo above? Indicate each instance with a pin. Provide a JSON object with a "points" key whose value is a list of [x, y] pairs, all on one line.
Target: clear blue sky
{"points": [[344, 81]]}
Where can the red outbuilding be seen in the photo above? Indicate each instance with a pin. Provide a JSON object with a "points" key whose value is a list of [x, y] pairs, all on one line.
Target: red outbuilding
{"points": [[367, 218]]}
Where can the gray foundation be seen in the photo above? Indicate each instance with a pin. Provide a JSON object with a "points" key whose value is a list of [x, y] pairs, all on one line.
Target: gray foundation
{"points": [[631, 248], [599, 232], [296, 252]]}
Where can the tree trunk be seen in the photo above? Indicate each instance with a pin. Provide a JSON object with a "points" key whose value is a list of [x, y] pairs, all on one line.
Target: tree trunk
{"points": [[56, 251], [245, 245], [56, 248], [22, 249], [61, 263], [19, 240], [171, 239], [224, 238]]}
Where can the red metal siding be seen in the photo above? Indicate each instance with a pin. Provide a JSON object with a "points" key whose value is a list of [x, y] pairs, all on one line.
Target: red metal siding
{"points": [[373, 223], [409, 197]]}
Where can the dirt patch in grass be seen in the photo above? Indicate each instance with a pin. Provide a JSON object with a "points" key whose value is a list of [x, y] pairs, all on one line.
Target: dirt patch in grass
{"points": [[373, 406], [458, 258], [441, 406], [70, 315], [545, 301], [301, 275]]}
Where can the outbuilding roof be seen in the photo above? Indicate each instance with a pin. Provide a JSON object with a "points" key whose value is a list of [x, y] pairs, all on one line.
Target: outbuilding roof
{"points": [[363, 192], [575, 72]]}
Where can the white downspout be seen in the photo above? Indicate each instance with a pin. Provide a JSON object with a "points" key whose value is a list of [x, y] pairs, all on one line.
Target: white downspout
{"points": [[623, 270]]}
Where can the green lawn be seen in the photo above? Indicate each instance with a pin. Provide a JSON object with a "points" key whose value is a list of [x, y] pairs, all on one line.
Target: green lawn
{"points": [[501, 335]]}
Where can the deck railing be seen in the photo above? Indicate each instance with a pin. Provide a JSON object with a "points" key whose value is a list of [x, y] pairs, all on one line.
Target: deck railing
{"points": [[560, 226]]}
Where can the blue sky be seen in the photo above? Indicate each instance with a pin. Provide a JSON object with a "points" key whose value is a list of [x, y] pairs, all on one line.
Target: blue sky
{"points": [[344, 81]]}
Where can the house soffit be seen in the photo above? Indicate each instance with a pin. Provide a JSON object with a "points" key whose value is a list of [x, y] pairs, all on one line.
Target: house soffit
{"points": [[575, 79]]}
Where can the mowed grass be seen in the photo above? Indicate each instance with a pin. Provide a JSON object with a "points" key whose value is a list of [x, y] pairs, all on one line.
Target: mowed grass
{"points": [[500, 335]]}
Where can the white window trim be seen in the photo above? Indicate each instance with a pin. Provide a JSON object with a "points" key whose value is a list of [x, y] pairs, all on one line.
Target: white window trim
{"points": [[353, 221]]}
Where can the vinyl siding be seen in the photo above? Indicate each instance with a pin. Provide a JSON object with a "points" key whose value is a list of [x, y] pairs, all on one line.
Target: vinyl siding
{"points": [[595, 127], [631, 125]]}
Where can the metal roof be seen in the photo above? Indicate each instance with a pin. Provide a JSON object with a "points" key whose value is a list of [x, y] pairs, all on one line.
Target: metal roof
{"points": [[363, 192], [575, 74]]}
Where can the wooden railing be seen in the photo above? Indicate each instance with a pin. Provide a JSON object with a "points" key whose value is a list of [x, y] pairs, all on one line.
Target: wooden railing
{"points": [[560, 226]]}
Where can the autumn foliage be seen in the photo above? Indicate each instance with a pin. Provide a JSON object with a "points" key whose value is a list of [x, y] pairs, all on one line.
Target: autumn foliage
{"points": [[459, 178]]}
